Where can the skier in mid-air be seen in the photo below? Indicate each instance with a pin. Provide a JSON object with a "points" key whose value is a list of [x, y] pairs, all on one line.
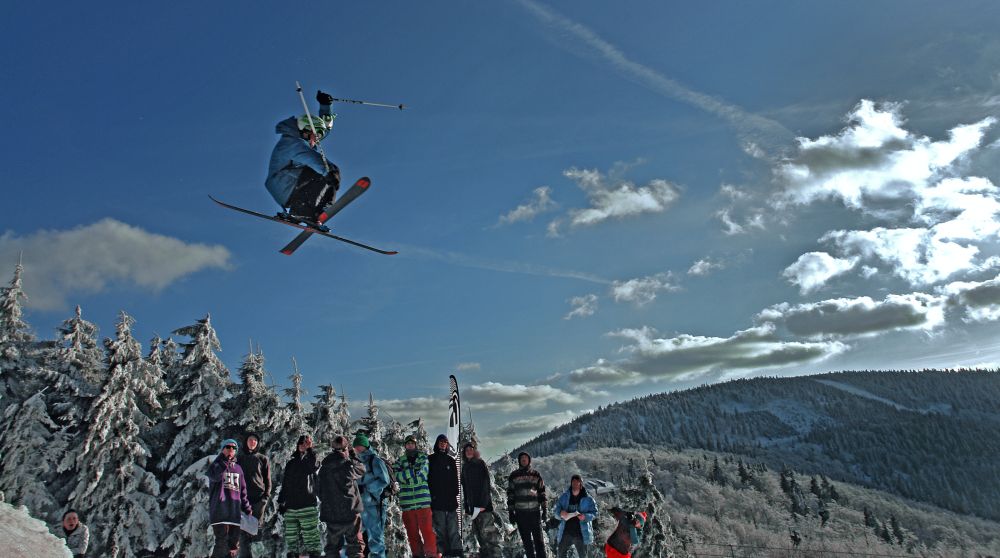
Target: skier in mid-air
{"points": [[299, 178]]}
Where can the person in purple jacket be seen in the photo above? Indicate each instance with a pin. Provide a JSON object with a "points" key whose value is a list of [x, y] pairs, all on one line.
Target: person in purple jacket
{"points": [[227, 498]]}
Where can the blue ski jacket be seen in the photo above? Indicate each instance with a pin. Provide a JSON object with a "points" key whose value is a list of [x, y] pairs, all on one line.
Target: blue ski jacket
{"points": [[587, 509], [291, 155], [375, 479]]}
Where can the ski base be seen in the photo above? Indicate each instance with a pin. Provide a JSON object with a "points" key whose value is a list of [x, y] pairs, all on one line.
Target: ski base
{"points": [[306, 229]]}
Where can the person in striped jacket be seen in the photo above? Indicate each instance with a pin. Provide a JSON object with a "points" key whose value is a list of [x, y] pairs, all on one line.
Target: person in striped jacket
{"points": [[411, 472], [527, 505]]}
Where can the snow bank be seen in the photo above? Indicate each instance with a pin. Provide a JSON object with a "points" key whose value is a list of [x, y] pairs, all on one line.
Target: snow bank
{"points": [[22, 536]]}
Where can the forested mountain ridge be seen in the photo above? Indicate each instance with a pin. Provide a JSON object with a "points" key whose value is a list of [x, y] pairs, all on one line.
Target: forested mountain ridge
{"points": [[928, 435]]}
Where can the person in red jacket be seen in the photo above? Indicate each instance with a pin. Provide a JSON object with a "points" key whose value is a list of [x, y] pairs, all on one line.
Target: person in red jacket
{"points": [[626, 535]]}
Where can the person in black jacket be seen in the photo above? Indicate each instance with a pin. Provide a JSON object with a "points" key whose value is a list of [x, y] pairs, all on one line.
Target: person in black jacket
{"points": [[526, 504], [478, 503], [442, 480], [257, 469], [297, 501], [340, 501]]}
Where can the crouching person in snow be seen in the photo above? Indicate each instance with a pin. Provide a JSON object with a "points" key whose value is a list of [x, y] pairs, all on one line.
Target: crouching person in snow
{"points": [[76, 534], [372, 484], [340, 504], [479, 502], [227, 497], [575, 510], [627, 535], [297, 501]]}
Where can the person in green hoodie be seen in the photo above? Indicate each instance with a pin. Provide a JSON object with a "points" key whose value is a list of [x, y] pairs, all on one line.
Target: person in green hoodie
{"points": [[415, 500]]}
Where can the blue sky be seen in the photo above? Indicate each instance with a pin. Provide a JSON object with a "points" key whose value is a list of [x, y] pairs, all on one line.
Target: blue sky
{"points": [[591, 202]]}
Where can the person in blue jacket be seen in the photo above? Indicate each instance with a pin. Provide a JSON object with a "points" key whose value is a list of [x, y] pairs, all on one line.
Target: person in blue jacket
{"points": [[298, 178], [372, 484], [575, 510], [227, 498]]}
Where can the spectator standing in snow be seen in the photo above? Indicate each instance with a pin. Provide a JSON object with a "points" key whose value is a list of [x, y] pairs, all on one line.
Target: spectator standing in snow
{"points": [[371, 486], [526, 504], [415, 500], [442, 480], [575, 510], [257, 469], [76, 534], [340, 503], [227, 498], [297, 501], [479, 502]]}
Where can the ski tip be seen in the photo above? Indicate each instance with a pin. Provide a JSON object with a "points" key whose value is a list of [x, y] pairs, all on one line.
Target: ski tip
{"points": [[364, 182], [392, 253], [286, 252]]}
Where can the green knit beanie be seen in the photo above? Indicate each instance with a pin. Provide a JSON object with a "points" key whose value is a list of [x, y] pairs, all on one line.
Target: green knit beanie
{"points": [[361, 440]]}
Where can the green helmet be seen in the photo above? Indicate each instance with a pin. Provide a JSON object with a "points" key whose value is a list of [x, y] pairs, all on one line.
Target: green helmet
{"points": [[321, 124]]}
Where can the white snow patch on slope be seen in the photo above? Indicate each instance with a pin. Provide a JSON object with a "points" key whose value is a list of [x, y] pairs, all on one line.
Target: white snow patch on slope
{"points": [[22, 536], [862, 393]]}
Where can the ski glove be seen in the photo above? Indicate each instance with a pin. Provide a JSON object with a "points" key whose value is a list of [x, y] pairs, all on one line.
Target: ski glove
{"points": [[324, 98]]}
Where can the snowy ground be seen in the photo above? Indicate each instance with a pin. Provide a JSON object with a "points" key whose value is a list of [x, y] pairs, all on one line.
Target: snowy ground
{"points": [[22, 536]]}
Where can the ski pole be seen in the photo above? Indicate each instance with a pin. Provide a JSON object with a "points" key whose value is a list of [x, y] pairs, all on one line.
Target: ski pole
{"points": [[369, 103], [319, 146]]}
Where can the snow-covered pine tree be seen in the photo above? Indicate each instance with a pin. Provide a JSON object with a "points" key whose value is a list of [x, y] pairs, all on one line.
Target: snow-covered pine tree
{"points": [[115, 487], [326, 423], [256, 406], [74, 372], [638, 494], [164, 356], [16, 344], [258, 409], [31, 444], [199, 420]]}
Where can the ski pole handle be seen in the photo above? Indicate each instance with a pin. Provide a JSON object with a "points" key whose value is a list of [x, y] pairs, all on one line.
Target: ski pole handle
{"points": [[302, 97], [369, 103]]}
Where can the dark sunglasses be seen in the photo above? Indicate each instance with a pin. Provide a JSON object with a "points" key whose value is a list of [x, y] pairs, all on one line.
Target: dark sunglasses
{"points": [[230, 447]]}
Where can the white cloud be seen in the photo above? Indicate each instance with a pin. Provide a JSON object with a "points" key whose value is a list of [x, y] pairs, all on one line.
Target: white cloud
{"points": [[537, 424], [494, 396], [91, 258], [583, 306], [812, 270], [980, 300], [539, 203], [604, 372], [615, 198], [853, 317], [930, 223], [685, 356], [462, 366], [642, 290], [706, 266], [431, 409]]}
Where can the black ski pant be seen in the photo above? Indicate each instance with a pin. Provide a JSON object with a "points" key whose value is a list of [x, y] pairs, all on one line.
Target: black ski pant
{"points": [[347, 536], [449, 541], [529, 525], [313, 192], [227, 540], [569, 541], [245, 538]]}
